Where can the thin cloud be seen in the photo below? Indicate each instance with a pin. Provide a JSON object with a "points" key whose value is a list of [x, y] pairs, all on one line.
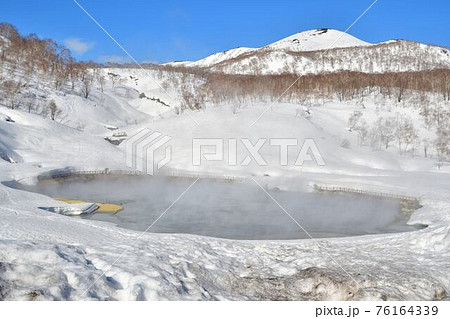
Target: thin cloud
{"points": [[114, 59], [78, 46], [149, 61]]}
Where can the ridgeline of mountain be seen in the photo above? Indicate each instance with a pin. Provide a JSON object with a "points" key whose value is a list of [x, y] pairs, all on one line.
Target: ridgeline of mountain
{"points": [[325, 50]]}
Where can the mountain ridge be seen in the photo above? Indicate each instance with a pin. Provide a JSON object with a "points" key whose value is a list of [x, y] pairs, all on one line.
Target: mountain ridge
{"points": [[337, 50], [329, 38], [317, 39]]}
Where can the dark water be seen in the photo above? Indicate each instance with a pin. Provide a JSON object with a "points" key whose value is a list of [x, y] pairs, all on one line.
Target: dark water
{"points": [[238, 210]]}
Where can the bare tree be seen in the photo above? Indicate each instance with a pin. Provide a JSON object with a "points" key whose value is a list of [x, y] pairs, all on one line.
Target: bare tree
{"points": [[12, 89], [30, 101], [383, 132], [53, 109], [405, 133], [354, 119], [101, 81], [400, 84], [426, 144], [73, 72], [362, 131], [86, 82], [191, 101], [442, 143], [115, 78]]}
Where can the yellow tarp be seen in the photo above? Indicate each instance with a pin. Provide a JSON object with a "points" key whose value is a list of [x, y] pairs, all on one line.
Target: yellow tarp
{"points": [[102, 207]]}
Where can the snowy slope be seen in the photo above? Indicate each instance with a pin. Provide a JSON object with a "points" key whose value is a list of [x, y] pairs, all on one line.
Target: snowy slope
{"points": [[50, 257], [312, 40], [46, 144], [214, 58], [45, 256], [325, 50], [319, 39]]}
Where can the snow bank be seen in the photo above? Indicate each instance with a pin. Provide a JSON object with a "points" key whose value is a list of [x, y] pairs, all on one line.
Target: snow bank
{"points": [[46, 256], [72, 209]]}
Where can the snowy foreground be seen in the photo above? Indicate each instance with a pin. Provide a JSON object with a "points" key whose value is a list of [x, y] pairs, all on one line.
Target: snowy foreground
{"points": [[46, 256]]}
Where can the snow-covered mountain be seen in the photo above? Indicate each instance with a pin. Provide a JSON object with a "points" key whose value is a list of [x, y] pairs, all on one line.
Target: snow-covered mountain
{"points": [[325, 50], [214, 58], [319, 39]]}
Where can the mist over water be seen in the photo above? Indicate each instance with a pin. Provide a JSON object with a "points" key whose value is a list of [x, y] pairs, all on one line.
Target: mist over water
{"points": [[238, 210]]}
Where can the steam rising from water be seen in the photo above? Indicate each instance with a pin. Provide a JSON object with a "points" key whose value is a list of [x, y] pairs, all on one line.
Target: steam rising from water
{"points": [[232, 210]]}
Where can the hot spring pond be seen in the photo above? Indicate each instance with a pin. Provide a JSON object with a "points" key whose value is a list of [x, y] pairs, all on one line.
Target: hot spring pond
{"points": [[237, 210]]}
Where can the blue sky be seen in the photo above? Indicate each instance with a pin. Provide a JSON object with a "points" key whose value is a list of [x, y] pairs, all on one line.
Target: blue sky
{"points": [[160, 31]]}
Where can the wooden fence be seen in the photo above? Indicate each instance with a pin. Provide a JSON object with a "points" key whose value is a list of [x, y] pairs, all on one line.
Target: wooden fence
{"points": [[168, 173], [204, 175], [409, 200], [68, 173]]}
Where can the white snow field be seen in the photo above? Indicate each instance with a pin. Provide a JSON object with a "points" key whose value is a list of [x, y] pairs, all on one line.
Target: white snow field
{"points": [[319, 39], [48, 256]]}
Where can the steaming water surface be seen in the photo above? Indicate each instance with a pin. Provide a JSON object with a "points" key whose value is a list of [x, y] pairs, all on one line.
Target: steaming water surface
{"points": [[237, 210]]}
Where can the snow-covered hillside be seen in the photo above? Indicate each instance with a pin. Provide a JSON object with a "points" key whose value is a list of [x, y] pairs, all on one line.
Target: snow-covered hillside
{"points": [[315, 40], [312, 40], [50, 257], [214, 58], [74, 117], [325, 50]]}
